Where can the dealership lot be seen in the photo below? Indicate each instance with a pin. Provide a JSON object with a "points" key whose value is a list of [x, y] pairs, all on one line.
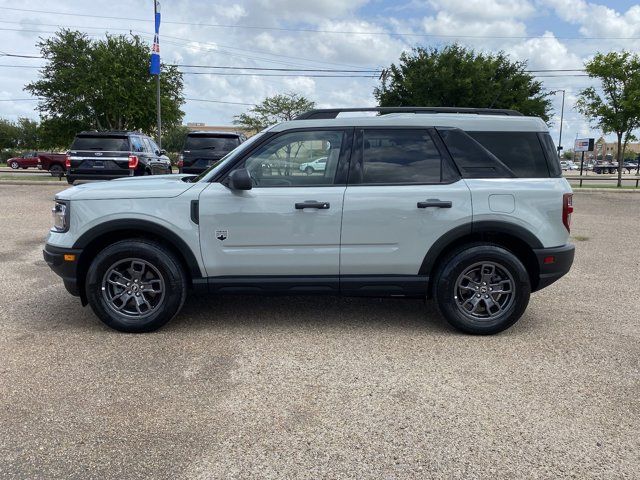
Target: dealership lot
{"points": [[309, 387]]}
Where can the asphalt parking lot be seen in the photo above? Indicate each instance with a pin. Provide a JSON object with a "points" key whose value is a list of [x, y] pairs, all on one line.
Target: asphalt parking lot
{"points": [[302, 387]]}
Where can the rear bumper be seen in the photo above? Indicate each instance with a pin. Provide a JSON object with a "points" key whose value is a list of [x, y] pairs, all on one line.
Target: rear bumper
{"points": [[553, 263], [66, 268], [107, 175]]}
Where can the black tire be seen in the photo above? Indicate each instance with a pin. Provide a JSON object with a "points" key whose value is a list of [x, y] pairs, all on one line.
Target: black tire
{"points": [[308, 170], [56, 171], [70, 180], [161, 261], [14, 165], [450, 294]]}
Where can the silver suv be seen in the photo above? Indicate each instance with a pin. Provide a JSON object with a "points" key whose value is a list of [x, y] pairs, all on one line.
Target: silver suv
{"points": [[465, 206]]}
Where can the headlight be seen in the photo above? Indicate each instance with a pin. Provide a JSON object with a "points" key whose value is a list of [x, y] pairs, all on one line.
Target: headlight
{"points": [[60, 213]]}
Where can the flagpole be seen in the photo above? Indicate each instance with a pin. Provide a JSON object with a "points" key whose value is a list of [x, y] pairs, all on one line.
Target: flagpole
{"points": [[159, 133]]}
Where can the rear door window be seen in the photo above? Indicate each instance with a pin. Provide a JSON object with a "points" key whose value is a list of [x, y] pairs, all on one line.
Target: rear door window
{"points": [[101, 143], [395, 156], [522, 152], [136, 144]]}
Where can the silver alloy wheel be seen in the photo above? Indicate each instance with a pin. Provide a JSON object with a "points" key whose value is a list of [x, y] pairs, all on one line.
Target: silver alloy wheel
{"points": [[15, 165], [484, 291], [133, 287]]}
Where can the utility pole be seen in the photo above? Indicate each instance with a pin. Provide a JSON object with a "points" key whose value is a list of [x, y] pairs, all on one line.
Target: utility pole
{"points": [[561, 119], [156, 46]]}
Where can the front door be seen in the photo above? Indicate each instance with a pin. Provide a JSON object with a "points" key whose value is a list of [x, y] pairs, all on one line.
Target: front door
{"points": [[288, 224]]}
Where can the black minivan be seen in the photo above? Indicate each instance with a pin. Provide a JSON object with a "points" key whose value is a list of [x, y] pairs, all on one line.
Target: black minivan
{"points": [[203, 149], [114, 154]]}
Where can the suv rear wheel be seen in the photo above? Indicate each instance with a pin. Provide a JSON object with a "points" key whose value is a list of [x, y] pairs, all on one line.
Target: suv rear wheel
{"points": [[136, 286], [482, 289]]}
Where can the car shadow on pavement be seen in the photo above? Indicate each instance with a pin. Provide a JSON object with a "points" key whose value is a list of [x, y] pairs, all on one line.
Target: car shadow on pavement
{"points": [[308, 311]]}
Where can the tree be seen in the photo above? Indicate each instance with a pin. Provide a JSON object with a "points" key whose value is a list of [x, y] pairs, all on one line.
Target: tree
{"points": [[24, 134], [8, 134], [102, 84], [456, 76], [173, 138], [272, 110], [617, 108]]}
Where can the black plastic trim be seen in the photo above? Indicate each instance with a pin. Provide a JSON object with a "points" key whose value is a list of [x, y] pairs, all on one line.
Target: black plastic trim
{"points": [[195, 211], [550, 272], [68, 271], [146, 227], [330, 113], [486, 226], [346, 285]]}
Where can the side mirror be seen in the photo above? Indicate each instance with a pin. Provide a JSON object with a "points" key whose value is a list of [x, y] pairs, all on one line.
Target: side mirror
{"points": [[240, 180], [162, 151]]}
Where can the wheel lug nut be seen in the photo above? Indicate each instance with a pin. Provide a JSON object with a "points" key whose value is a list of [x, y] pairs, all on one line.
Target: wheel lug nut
{"points": [[486, 296], [478, 295], [129, 292]]}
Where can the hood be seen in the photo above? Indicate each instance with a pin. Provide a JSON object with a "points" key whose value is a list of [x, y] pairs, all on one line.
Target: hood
{"points": [[155, 186]]}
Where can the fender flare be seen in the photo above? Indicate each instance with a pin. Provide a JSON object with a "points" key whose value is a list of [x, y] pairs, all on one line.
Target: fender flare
{"points": [[467, 229], [144, 226]]}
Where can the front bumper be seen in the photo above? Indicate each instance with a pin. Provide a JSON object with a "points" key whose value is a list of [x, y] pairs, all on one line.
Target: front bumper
{"points": [[64, 262], [553, 263]]}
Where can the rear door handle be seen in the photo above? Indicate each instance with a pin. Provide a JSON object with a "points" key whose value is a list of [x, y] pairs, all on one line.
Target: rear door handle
{"points": [[312, 204], [434, 202]]}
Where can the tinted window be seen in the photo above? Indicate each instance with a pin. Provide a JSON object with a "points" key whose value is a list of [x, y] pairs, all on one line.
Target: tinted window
{"points": [[201, 142], [297, 158], [520, 151], [552, 154], [472, 159], [400, 156], [147, 145], [136, 144], [112, 144]]}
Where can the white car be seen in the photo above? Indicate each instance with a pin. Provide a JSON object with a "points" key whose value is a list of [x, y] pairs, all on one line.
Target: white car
{"points": [[317, 165], [427, 202]]}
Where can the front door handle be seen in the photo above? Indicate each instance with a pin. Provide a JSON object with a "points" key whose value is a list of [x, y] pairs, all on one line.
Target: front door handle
{"points": [[312, 204], [434, 202]]}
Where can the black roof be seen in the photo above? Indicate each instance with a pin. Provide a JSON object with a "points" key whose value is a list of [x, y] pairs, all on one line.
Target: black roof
{"points": [[108, 133], [328, 113]]}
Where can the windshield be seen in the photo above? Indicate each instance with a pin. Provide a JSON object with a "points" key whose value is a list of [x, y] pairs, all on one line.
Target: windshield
{"points": [[201, 142], [216, 167], [111, 144]]}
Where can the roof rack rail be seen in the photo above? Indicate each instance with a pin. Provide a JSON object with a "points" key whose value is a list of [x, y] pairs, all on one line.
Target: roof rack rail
{"points": [[328, 113]]}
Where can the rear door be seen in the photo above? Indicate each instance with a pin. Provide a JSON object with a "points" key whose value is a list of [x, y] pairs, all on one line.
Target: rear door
{"points": [[288, 224], [403, 194]]}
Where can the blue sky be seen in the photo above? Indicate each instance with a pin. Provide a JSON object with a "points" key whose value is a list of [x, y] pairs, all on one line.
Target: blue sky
{"points": [[548, 34]]}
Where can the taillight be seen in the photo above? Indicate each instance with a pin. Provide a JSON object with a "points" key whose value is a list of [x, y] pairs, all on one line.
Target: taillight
{"points": [[67, 162], [133, 161], [180, 160], [567, 210]]}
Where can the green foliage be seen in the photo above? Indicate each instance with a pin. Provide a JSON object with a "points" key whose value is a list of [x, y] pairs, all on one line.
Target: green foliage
{"points": [[173, 138], [272, 110], [455, 76], [616, 107], [23, 134], [101, 84]]}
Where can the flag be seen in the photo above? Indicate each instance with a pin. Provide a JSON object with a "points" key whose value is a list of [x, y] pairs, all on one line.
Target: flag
{"points": [[154, 69]]}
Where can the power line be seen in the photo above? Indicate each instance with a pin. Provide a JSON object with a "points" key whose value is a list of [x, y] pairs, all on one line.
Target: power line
{"points": [[219, 101], [313, 30]]}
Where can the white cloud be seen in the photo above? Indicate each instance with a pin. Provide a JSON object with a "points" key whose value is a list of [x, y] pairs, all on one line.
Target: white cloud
{"points": [[486, 9]]}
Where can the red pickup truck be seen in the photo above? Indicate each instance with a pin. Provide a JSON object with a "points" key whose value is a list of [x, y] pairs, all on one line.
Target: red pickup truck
{"points": [[53, 162], [28, 159]]}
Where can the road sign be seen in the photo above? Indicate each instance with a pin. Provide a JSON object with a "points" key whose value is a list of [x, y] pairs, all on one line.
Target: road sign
{"points": [[583, 145]]}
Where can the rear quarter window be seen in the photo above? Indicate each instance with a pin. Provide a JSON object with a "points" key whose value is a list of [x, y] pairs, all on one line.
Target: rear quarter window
{"points": [[522, 152]]}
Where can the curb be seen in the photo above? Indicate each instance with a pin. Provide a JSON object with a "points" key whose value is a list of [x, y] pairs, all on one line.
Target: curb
{"points": [[612, 190], [32, 182]]}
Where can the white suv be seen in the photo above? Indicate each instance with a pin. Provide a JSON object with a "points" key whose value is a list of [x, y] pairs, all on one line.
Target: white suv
{"points": [[466, 206]]}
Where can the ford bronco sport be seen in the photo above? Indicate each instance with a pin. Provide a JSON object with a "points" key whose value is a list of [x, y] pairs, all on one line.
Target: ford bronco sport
{"points": [[465, 206]]}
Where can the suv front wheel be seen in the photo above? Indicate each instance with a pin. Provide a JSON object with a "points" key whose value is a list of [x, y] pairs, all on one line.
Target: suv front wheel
{"points": [[136, 286], [482, 289]]}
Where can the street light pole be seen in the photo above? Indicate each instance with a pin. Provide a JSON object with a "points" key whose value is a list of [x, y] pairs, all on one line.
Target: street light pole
{"points": [[561, 119]]}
